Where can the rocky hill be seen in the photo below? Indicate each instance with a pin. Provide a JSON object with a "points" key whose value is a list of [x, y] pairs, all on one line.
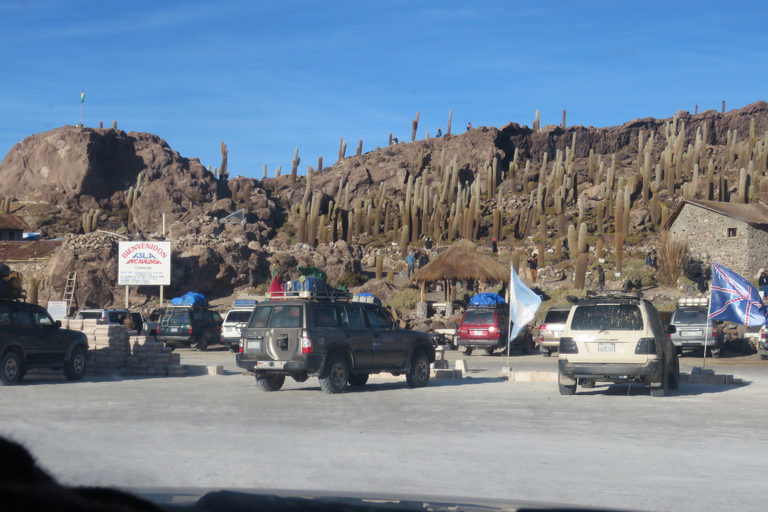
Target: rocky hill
{"points": [[524, 186]]}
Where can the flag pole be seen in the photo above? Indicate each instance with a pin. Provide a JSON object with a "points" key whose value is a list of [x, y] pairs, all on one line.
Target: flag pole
{"points": [[706, 334], [509, 324]]}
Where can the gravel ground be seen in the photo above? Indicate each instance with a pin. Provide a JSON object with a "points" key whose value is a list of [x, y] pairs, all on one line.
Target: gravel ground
{"points": [[703, 448]]}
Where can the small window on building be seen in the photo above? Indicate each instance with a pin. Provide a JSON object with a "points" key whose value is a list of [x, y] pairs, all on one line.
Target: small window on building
{"points": [[731, 232]]}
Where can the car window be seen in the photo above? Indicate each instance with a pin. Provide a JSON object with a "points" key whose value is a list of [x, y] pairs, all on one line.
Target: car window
{"points": [[556, 317], [42, 319], [690, 316], [620, 317], [286, 316], [216, 317], [5, 315], [237, 317], [478, 317], [326, 315], [355, 317], [208, 316], [260, 317], [197, 315], [179, 317], [23, 319], [114, 317], [89, 315], [377, 319]]}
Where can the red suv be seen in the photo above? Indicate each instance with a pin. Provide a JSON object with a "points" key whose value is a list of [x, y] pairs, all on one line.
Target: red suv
{"points": [[488, 327]]}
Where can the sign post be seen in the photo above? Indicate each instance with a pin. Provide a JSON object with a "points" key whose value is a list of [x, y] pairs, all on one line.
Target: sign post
{"points": [[143, 264]]}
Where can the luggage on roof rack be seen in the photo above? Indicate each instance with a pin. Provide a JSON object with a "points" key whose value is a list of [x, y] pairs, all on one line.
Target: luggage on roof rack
{"points": [[487, 300], [308, 287]]}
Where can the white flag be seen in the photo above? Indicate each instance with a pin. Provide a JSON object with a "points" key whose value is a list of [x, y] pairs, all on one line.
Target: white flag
{"points": [[523, 304]]}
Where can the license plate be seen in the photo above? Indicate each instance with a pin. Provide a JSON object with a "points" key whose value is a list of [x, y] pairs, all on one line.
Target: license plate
{"points": [[174, 329], [606, 347], [253, 345], [693, 333], [478, 333]]}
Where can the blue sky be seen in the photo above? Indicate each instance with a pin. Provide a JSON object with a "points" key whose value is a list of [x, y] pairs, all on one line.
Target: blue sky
{"points": [[266, 77]]}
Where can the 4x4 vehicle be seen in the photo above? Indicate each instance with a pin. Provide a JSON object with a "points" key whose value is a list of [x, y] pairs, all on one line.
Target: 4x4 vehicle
{"points": [[234, 321], [117, 316], [337, 341], [693, 329], [29, 338], [189, 325], [486, 327], [551, 328], [617, 337]]}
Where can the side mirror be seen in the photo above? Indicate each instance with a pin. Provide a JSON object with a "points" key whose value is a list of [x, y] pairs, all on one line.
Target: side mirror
{"points": [[671, 329], [57, 324]]}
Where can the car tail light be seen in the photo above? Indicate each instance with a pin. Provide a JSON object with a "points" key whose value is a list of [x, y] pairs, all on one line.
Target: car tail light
{"points": [[242, 344], [762, 335], [492, 328], [645, 346], [306, 344], [568, 346], [190, 329], [714, 332]]}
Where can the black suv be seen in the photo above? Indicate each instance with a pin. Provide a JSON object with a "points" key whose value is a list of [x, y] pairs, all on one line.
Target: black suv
{"points": [[339, 342], [189, 325], [29, 338]]}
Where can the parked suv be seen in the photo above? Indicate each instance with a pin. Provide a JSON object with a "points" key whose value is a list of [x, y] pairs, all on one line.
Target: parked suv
{"points": [[188, 326], [694, 329], [117, 316], [234, 321], [337, 341], [29, 338], [616, 337], [487, 327], [551, 328]]}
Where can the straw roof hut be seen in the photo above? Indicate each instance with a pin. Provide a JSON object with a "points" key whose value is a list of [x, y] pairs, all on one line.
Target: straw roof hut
{"points": [[462, 261]]}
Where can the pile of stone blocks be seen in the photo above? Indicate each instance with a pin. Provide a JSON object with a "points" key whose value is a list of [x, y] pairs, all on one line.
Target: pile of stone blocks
{"points": [[115, 351]]}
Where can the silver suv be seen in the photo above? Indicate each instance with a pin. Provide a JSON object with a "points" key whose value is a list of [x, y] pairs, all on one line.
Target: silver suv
{"points": [[551, 328], [693, 329], [617, 337], [338, 342]]}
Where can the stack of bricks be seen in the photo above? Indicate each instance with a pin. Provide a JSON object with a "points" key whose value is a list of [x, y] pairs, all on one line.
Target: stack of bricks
{"points": [[113, 352]]}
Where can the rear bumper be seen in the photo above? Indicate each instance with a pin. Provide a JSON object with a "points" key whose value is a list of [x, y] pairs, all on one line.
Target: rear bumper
{"points": [[611, 371], [683, 343], [310, 364], [174, 340]]}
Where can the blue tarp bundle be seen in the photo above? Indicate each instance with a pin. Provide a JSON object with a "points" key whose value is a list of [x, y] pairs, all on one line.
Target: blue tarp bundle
{"points": [[486, 299], [190, 299]]}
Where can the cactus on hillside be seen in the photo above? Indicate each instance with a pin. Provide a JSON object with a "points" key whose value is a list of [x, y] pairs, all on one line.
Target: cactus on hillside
{"points": [[582, 257], [415, 126]]}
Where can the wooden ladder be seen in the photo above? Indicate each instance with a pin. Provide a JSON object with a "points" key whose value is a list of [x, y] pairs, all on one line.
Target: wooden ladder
{"points": [[69, 289]]}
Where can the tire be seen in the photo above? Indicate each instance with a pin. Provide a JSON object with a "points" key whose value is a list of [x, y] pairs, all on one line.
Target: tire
{"points": [[271, 382], [546, 352], [763, 357], [74, 369], [468, 351], [565, 389], [202, 345], [11, 369], [664, 388], [418, 373], [674, 377], [358, 380], [335, 376], [490, 351], [503, 350]]}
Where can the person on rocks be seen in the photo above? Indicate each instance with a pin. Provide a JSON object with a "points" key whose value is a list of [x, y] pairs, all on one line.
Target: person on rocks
{"points": [[566, 252], [762, 283], [600, 278], [533, 266], [439, 131], [423, 260], [410, 260], [469, 126], [494, 247], [428, 243], [702, 283]]}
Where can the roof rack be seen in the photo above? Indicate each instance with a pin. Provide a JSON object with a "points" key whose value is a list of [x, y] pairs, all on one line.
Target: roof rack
{"points": [[692, 302], [614, 294], [328, 294]]}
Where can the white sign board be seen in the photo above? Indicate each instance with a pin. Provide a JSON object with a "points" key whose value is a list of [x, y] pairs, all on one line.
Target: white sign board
{"points": [[144, 264], [57, 309]]}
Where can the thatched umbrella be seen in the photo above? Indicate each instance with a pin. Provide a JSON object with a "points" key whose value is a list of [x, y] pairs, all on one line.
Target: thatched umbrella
{"points": [[462, 261]]}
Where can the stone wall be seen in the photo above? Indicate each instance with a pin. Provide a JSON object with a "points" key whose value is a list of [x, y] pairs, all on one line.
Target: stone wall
{"points": [[707, 234]]}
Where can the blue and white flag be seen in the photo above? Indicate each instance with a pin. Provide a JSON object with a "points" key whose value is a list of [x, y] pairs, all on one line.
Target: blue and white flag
{"points": [[523, 304], [734, 299]]}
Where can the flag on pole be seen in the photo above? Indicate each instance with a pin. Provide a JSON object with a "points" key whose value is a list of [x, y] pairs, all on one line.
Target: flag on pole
{"points": [[523, 304], [82, 96], [734, 299]]}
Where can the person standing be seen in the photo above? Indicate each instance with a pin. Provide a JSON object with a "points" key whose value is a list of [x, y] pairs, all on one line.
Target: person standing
{"points": [[410, 260], [494, 247], [469, 126], [533, 266], [600, 278], [762, 283], [439, 131], [702, 282], [428, 243], [423, 260]]}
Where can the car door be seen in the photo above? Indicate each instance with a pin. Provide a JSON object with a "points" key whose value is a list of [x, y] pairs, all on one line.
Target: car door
{"points": [[357, 334], [52, 338], [389, 350], [282, 339]]}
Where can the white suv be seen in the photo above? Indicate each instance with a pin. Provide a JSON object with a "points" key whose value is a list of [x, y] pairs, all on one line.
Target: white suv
{"points": [[616, 337]]}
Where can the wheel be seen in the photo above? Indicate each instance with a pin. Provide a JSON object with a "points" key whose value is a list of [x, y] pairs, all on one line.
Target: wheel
{"points": [[272, 382], [234, 348], [763, 356], [74, 369], [203, 343], [528, 345], [11, 368], [587, 384], [335, 375], [503, 350], [358, 380], [717, 354], [468, 351], [674, 376], [490, 351], [664, 388], [418, 374], [569, 389], [546, 352]]}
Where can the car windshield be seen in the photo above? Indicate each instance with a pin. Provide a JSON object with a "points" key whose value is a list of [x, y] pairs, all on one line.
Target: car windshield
{"points": [[177, 317], [556, 317], [237, 317], [478, 317], [688, 316], [603, 317]]}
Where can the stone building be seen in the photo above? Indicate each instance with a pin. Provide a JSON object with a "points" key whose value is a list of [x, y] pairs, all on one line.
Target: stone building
{"points": [[11, 227], [734, 235]]}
